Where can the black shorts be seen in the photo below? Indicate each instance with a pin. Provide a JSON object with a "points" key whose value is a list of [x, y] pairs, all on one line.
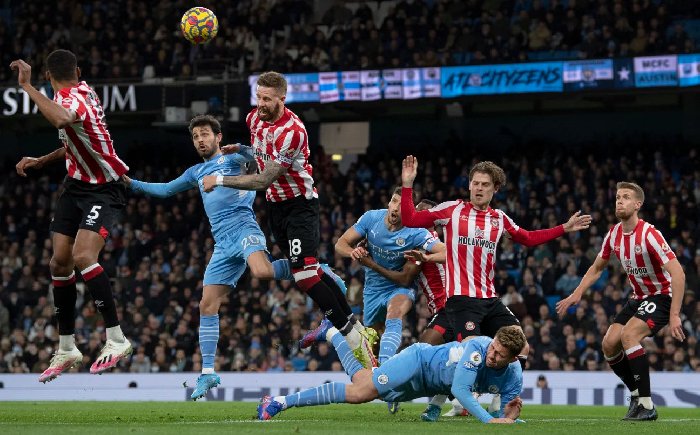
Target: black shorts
{"points": [[295, 226], [86, 206], [473, 316], [441, 324], [655, 311]]}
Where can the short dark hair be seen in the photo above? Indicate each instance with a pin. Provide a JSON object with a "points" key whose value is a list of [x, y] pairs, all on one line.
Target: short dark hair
{"points": [[397, 191], [275, 80], [427, 202], [62, 64], [202, 120], [498, 176]]}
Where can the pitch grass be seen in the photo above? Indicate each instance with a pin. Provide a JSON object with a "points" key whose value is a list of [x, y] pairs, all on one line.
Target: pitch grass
{"points": [[51, 418]]}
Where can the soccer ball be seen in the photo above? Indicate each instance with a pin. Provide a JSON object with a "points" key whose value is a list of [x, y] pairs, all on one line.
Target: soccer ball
{"points": [[199, 25]]}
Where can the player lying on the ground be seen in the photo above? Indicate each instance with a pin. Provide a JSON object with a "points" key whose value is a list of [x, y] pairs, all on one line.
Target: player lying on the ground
{"points": [[478, 365]]}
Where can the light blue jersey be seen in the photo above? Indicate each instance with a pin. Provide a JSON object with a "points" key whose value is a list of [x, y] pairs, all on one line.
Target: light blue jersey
{"points": [[221, 205], [387, 248], [230, 212], [423, 370]]}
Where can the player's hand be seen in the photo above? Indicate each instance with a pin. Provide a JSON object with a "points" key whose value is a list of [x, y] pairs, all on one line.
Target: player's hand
{"points": [[501, 421], [358, 253], [409, 170], [564, 304], [513, 408], [674, 324], [28, 163], [24, 71], [415, 255], [208, 182], [231, 148], [578, 222], [127, 180]]}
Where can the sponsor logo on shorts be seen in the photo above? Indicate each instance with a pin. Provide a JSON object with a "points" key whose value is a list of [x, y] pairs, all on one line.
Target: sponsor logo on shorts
{"points": [[383, 379], [469, 326]]}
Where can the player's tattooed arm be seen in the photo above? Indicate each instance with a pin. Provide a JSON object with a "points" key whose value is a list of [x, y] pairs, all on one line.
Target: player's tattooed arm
{"points": [[39, 162], [259, 181]]}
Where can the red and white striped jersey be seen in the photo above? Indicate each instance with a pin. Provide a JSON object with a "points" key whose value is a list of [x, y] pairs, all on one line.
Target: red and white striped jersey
{"points": [[286, 143], [642, 253], [431, 280], [471, 238], [90, 155]]}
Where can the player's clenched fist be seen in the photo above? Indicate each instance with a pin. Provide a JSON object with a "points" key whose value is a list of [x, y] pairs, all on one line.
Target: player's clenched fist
{"points": [[208, 182], [24, 71]]}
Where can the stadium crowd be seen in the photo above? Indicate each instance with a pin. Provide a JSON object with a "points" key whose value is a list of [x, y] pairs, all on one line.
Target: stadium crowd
{"points": [[130, 40], [157, 253]]}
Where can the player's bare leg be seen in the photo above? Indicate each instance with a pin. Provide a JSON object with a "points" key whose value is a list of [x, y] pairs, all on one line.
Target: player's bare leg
{"points": [[65, 295], [632, 334], [212, 297]]}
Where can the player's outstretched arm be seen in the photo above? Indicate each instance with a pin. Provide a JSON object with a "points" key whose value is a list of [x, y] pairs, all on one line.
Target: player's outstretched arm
{"points": [[162, 190], [56, 114], [577, 222], [590, 277], [462, 385], [261, 181], [39, 162], [675, 269]]}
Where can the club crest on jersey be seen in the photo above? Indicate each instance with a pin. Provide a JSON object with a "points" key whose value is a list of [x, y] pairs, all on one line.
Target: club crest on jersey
{"points": [[401, 242], [383, 379], [270, 136], [637, 249], [469, 326], [475, 357], [494, 222], [665, 247], [493, 389], [479, 233], [221, 160]]}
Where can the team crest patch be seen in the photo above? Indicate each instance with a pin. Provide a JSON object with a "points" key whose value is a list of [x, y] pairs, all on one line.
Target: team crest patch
{"points": [[493, 389], [221, 160], [383, 379], [475, 357], [494, 222], [665, 247], [270, 136], [401, 241], [637, 249], [469, 326], [479, 233]]}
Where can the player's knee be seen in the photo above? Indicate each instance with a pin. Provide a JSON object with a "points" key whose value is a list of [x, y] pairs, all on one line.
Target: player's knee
{"points": [[60, 266], [209, 306], [261, 271], [84, 259], [611, 345]]}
